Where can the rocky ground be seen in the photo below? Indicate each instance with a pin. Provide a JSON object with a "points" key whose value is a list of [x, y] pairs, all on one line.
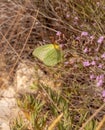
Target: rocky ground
{"points": [[15, 76]]}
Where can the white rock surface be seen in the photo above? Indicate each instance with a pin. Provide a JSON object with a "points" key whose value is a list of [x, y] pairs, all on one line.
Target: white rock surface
{"points": [[8, 110], [9, 93], [25, 76], [4, 126]]}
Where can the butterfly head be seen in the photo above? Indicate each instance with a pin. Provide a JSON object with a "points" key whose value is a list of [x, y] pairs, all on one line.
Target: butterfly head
{"points": [[56, 46]]}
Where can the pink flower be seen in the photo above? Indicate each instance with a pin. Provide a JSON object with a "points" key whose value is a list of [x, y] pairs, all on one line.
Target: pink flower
{"points": [[100, 80], [103, 55], [100, 40], [96, 58], [103, 93], [67, 15], [92, 37], [93, 63], [92, 76], [100, 77], [86, 63], [99, 83], [76, 18], [85, 50], [58, 33], [84, 34], [78, 38], [100, 66]]}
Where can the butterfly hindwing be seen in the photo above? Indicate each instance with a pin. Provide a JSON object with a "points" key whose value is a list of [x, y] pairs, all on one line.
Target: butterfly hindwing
{"points": [[53, 57]]}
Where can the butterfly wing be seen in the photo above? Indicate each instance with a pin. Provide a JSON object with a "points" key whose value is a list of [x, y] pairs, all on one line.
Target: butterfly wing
{"points": [[53, 57], [48, 54], [42, 51]]}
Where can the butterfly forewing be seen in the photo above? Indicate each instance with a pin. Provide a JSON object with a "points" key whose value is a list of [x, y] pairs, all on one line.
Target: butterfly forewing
{"points": [[42, 51]]}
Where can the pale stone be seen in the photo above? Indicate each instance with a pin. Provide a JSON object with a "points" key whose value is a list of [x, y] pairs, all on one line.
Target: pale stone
{"points": [[9, 92], [25, 76], [6, 106], [4, 126]]}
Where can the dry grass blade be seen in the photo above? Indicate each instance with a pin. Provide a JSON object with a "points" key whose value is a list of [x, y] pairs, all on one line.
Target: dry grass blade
{"points": [[101, 124], [10, 45], [97, 111], [52, 126]]}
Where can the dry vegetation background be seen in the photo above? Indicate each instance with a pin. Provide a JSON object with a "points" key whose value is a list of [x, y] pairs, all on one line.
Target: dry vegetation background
{"points": [[26, 24]]}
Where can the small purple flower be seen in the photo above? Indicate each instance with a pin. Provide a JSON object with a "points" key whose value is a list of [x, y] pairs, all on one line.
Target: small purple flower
{"points": [[92, 37], [103, 55], [93, 63], [97, 78], [78, 38], [100, 40], [67, 15], [100, 80], [58, 33], [76, 18], [92, 76], [100, 66], [103, 93], [86, 63], [84, 34], [99, 83], [100, 77], [61, 45], [96, 58], [85, 50]]}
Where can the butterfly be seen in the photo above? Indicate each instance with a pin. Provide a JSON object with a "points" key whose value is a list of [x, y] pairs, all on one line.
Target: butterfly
{"points": [[49, 54]]}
